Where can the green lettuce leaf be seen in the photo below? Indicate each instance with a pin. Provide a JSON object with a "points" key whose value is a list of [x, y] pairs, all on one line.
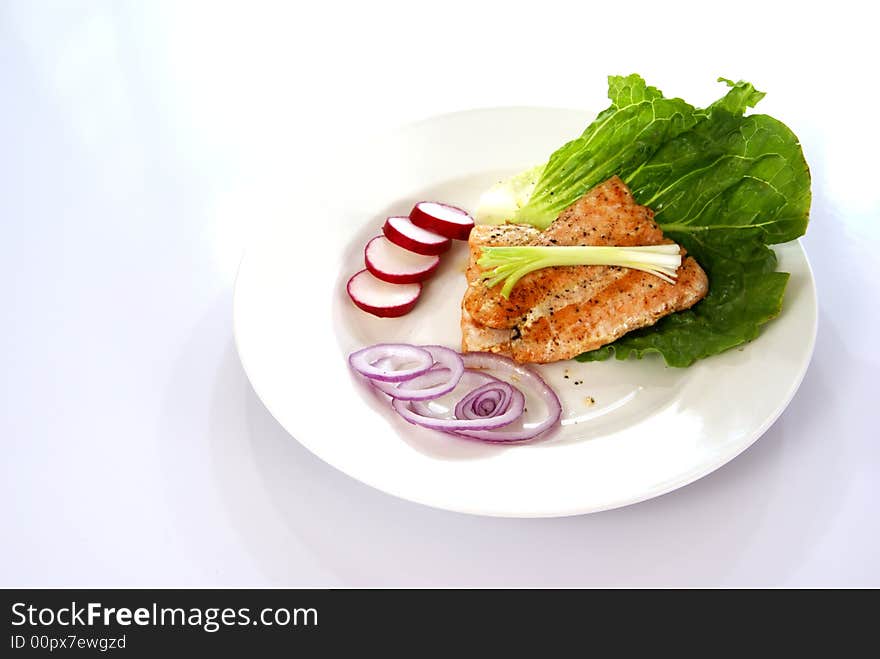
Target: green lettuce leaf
{"points": [[722, 184], [729, 173], [504, 199], [639, 121]]}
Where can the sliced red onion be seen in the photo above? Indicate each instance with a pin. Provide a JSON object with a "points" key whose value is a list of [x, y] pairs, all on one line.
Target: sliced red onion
{"points": [[513, 412], [443, 405], [385, 363], [486, 401], [441, 379], [427, 381], [490, 410], [521, 375], [372, 362]]}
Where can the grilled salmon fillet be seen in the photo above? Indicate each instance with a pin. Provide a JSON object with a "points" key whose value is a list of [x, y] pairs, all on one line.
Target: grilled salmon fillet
{"points": [[557, 313]]}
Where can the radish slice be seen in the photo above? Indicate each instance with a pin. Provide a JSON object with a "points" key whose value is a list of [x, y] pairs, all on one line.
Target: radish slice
{"points": [[404, 233], [449, 221], [381, 298], [397, 265]]}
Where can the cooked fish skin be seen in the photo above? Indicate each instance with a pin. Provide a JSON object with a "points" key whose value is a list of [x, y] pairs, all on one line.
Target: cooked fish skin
{"points": [[557, 313]]}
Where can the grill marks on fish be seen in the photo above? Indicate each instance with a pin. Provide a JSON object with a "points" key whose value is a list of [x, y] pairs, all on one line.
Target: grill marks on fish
{"points": [[557, 313]]}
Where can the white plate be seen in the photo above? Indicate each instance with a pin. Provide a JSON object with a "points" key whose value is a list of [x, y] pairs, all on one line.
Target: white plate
{"points": [[651, 429]]}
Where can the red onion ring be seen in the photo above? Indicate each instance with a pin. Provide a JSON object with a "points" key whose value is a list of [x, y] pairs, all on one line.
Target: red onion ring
{"points": [[373, 362], [445, 359], [489, 409], [513, 412], [469, 380], [441, 379], [486, 401], [522, 374]]}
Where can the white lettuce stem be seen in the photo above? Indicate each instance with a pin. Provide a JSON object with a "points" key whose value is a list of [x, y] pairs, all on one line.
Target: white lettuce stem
{"points": [[509, 264]]}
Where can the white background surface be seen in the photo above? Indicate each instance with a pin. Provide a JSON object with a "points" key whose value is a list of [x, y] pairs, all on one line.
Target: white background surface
{"points": [[141, 144]]}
